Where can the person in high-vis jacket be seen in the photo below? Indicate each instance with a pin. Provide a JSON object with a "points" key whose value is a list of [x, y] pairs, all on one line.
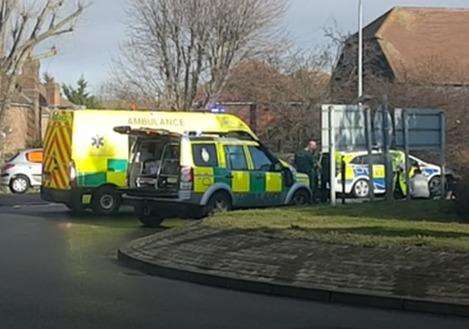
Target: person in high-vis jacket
{"points": [[400, 184]]}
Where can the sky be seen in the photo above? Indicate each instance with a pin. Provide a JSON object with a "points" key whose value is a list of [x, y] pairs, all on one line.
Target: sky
{"points": [[101, 29]]}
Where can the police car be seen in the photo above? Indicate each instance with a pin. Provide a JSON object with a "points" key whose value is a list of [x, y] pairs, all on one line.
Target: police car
{"points": [[357, 180]]}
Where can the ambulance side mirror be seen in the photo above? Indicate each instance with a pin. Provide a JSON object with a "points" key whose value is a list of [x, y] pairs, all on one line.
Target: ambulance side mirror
{"points": [[278, 167]]}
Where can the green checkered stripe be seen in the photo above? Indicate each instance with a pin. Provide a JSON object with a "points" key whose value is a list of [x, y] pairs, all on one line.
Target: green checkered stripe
{"points": [[243, 181], [115, 174]]}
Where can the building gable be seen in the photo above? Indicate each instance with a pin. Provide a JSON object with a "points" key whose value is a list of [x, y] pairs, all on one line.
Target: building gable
{"points": [[426, 45]]}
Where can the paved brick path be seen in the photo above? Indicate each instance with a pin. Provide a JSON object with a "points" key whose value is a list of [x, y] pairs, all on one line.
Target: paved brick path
{"points": [[270, 257]]}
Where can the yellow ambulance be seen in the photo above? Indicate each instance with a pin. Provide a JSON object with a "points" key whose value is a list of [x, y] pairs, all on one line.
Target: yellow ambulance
{"points": [[85, 161]]}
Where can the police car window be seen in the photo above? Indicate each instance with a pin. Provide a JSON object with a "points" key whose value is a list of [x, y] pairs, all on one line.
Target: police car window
{"points": [[377, 159], [235, 157], [205, 155], [260, 160], [414, 163], [359, 160]]}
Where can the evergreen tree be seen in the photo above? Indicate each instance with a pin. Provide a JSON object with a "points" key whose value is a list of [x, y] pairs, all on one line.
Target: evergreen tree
{"points": [[79, 95]]}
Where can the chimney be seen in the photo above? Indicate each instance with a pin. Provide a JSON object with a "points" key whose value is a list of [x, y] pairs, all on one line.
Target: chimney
{"points": [[53, 93]]}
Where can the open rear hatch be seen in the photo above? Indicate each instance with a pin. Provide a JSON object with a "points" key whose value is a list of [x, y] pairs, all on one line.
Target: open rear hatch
{"points": [[154, 168]]}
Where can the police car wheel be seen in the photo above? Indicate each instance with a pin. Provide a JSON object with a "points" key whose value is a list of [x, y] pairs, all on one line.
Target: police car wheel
{"points": [[361, 189], [220, 202], [434, 185], [147, 216], [106, 201], [301, 198], [19, 185]]}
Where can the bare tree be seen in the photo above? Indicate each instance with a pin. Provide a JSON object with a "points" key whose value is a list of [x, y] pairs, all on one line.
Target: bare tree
{"points": [[298, 110], [23, 26], [287, 90], [178, 47], [337, 40]]}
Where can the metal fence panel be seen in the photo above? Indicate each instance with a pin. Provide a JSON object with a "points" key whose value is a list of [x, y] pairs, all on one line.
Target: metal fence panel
{"points": [[424, 128], [348, 122], [381, 123]]}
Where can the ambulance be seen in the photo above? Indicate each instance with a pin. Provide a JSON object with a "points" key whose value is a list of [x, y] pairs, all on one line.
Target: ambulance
{"points": [[86, 161], [194, 173]]}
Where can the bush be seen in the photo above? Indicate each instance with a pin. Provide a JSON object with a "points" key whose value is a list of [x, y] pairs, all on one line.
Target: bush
{"points": [[462, 194]]}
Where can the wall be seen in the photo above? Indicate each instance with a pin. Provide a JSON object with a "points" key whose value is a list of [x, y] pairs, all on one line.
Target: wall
{"points": [[259, 118], [20, 122]]}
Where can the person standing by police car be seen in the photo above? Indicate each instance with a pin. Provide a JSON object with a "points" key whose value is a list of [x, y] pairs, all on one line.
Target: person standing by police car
{"points": [[307, 162]]}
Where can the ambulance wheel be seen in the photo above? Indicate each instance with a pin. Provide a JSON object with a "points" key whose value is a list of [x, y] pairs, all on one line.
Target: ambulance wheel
{"points": [[218, 203], [300, 198], [147, 216], [361, 189], [105, 201], [20, 184]]}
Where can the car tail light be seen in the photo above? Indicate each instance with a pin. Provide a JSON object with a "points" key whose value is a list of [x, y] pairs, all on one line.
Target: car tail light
{"points": [[73, 174], [7, 166], [187, 174], [187, 179]]}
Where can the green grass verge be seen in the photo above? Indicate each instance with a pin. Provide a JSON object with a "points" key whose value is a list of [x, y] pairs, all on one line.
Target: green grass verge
{"points": [[433, 224]]}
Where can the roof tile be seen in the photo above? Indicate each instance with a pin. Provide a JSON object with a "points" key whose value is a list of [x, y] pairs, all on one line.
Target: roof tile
{"points": [[425, 43]]}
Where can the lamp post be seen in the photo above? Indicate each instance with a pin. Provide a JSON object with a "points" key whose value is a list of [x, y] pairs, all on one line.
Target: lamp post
{"points": [[360, 49], [361, 99]]}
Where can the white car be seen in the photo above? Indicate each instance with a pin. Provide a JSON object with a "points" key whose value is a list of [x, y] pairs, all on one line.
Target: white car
{"points": [[22, 171]]}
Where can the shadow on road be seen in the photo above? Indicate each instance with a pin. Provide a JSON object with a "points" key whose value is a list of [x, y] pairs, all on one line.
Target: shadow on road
{"points": [[124, 219], [20, 199]]}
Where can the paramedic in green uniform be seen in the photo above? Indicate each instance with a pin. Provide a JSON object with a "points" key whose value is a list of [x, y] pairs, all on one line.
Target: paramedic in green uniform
{"points": [[306, 162]]}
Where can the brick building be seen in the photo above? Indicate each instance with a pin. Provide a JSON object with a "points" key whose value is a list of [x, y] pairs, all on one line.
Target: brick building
{"points": [[26, 119], [264, 96]]}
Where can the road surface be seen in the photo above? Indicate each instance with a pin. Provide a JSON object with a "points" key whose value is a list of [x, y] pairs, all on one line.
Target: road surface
{"points": [[60, 271]]}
